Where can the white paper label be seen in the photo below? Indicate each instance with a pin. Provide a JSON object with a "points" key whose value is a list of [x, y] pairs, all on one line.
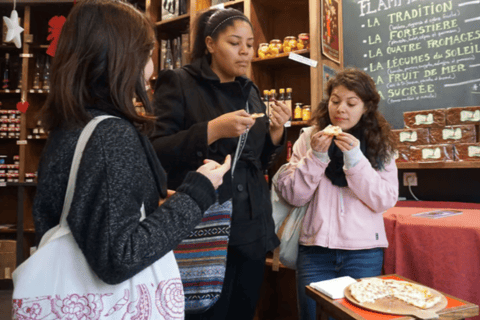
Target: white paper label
{"points": [[473, 151], [408, 136], [451, 133], [467, 115], [431, 153], [3, 184], [26, 55], [424, 119], [302, 59], [21, 142], [396, 156]]}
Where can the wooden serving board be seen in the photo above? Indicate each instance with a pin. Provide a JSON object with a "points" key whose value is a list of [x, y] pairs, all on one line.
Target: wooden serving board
{"points": [[392, 305]]}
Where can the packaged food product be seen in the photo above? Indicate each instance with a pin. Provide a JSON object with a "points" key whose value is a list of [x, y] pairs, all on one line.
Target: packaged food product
{"points": [[306, 112], [463, 115], [402, 154], [453, 134], [410, 137], [275, 47], [467, 152], [263, 50], [297, 114], [303, 41], [432, 153], [425, 118], [289, 44]]}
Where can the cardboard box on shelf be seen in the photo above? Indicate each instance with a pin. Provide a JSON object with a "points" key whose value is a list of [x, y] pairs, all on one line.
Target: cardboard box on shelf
{"points": [[8, 258]]}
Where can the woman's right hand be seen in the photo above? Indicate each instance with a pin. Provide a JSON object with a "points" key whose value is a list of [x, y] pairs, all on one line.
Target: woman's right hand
{"points": [[215, 171], [321, 142], [229, 125]]}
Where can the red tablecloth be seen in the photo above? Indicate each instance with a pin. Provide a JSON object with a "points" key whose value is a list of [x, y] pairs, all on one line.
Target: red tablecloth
{"points": [[443, 254]]}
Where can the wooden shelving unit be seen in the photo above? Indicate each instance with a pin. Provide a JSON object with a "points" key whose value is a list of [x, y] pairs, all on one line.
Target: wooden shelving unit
{"points": [[17, 197], [439, 165]]}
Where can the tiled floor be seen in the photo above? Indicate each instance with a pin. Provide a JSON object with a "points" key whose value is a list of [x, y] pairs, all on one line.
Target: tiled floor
{"points": [[5, 305]]}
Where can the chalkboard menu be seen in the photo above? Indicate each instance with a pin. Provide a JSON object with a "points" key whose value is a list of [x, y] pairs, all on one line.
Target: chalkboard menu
{"points": [[421, 54]]}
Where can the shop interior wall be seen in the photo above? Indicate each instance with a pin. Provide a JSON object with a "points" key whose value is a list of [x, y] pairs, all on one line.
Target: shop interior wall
{"points": [[459, 185]]}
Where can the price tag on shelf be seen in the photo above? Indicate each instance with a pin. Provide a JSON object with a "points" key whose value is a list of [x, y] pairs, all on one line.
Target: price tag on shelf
{"points": [[21, 142], [302, 59], [3, 184], [26, 55], [219, 6]]}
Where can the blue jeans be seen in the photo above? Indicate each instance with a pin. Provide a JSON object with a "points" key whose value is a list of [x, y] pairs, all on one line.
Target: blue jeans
{"points": [[318, 263]]}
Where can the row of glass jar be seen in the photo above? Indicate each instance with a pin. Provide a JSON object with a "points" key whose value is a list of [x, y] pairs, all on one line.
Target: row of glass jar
{"points": [[290, 43]]}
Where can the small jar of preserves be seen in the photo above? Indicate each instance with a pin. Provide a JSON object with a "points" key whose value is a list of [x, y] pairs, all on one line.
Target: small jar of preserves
{"points": [[303, 41], [263, 50], [297, 112], [275, 47], [289, 44], [306, 112]]}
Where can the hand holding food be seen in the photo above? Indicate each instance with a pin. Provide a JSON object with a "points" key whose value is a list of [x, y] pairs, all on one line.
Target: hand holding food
{"points": [[215, 171], [320, 141]]}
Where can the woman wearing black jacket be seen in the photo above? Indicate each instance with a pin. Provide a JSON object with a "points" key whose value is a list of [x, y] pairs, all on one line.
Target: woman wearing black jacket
{"points": [[202, 110]]}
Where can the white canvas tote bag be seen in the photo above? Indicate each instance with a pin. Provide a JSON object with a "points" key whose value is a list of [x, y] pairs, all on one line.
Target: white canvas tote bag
{"points": [[56, 282]]}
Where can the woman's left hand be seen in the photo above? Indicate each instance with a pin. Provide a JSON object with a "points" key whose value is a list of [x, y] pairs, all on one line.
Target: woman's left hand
{"points": [[279, 114], [345, 141]]}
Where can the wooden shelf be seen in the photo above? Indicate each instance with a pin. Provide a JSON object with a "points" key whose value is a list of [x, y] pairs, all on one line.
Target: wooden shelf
{"points": [[299, 123], [9, 230], [439, 165], [11, 91], [178, 24], [232, 3], [282, 60]]}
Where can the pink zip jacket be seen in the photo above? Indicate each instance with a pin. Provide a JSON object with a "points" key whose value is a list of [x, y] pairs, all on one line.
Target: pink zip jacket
{"points": [[347, 218]]}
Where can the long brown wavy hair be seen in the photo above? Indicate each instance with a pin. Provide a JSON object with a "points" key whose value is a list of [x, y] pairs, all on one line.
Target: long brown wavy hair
{"points": [[377, 131], [101, 55]]}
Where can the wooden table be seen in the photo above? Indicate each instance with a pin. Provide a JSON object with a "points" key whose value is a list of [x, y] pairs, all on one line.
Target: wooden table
{"points": [[342, 309]]}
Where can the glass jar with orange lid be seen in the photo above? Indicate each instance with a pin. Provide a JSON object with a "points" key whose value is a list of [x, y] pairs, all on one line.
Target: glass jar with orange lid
{"points": [[303, 41], [289, 44], [275, 47], [262, 50]]}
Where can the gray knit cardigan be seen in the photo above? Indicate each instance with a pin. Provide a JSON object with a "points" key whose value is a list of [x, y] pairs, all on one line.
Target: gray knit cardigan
{"points": [[113, 181]]}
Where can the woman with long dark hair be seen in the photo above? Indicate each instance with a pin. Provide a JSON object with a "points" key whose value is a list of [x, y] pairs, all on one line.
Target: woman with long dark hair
{"points": [[203, 109], [347, 181], [102, 62]]}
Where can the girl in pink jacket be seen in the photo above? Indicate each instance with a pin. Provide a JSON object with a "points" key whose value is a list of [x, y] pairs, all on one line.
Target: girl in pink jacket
{"points": [[347, 181]]}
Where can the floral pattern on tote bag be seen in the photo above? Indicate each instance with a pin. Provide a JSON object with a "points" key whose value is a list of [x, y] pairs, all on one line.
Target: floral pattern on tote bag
{"points": [[168, 299]]}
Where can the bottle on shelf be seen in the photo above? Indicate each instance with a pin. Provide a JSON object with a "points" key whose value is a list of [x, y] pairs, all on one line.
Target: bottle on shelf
{"points": [[177, 61], [272, 97], [297, 114], [266, 101], [46, 74], [6, 73], [37, 75], [288, 102], [19, 77], [169, 57], [289, 150]]}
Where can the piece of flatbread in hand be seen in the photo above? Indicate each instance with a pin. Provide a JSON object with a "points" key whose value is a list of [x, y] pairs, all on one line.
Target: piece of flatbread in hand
{"points": [[332, 130], [257, 115]]}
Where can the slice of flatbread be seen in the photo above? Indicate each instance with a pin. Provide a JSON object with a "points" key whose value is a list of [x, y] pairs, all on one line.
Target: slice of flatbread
{"points": [[332, 130]]}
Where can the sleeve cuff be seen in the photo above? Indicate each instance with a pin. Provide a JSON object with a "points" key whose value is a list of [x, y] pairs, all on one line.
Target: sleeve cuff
{"points": [[199, 188], [352, 157], [323, 156]]}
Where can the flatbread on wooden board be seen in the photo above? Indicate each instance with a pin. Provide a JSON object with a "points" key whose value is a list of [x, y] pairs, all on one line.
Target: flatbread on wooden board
{"points": [[372, 289]]}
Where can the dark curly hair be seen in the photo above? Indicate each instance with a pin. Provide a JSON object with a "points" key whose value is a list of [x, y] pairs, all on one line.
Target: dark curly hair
{"points": [[377, 131]]}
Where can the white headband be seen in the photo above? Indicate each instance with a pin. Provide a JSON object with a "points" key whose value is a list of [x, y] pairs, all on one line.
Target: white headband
{"points": [[232, 17]]}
